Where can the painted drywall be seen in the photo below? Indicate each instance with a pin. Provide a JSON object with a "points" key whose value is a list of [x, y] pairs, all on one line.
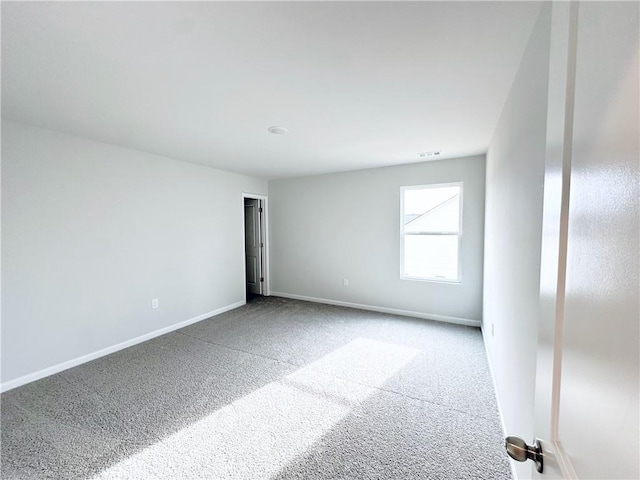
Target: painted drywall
{"points": [[513, 233], [327, 228], [91, 233]]}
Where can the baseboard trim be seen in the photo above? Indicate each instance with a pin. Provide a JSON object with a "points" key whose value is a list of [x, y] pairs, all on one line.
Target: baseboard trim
{"points": [[395, 311], [32, 377], [512, 463]]}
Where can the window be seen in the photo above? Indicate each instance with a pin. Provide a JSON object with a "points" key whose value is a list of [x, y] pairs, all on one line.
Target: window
{"points": [[430, 232]]}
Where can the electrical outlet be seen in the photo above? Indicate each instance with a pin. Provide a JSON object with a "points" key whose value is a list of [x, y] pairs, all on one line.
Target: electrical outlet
{"points": [[154, 303], [345, 282]]}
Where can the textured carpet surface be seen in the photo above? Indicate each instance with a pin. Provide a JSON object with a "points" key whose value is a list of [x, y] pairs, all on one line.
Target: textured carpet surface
{"points": [[276, 389]]}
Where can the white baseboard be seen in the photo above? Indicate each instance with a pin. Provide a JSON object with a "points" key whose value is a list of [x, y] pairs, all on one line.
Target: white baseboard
{"points": [[395, 311], [32, 377], [512, 463]]}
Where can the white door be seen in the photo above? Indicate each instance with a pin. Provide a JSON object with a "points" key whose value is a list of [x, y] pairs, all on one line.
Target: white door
{"points": [[253, 245], [587, 385]]}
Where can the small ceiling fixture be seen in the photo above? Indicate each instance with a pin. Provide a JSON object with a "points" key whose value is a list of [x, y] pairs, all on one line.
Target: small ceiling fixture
{"points": [[278, 130], [435, 153]]}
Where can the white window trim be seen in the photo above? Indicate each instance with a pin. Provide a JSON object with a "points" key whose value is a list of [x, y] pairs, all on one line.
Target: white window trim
{"points": [[458, 280]]}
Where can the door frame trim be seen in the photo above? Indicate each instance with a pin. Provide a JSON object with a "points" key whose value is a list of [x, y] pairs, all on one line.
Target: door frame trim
{"points": [[264, 225], [553, 261]]}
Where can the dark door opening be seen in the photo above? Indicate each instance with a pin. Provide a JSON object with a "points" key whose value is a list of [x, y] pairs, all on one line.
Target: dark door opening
{"points": [[253, 247]]}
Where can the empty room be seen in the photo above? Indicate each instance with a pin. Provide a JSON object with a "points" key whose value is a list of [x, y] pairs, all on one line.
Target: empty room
{"points": [[320, 240]]}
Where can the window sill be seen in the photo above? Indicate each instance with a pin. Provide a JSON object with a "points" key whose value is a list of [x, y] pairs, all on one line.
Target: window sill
{"points": [[431, 280]]}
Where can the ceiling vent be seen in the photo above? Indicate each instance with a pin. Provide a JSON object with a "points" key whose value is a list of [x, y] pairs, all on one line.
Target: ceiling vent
{"points": [[435, 153]]}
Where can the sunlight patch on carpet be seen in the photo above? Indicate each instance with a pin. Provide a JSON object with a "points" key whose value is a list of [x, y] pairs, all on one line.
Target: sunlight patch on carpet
{"points": [[259, 434]]}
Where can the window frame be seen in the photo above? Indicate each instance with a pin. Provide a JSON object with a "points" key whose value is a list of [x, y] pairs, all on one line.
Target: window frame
{"points": [[403, 189]]}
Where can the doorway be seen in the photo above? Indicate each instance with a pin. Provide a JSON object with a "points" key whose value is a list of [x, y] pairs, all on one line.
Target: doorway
{"points": [[255, 245]]}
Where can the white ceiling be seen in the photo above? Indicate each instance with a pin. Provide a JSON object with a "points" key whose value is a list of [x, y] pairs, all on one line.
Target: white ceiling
{"points": [[358, 84]]}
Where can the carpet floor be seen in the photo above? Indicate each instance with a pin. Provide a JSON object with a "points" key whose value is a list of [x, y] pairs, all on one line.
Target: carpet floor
{"points": [[276, 389]]}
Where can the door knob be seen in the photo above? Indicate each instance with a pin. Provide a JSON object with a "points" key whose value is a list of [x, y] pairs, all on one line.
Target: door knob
{"points": [[521, 452]]}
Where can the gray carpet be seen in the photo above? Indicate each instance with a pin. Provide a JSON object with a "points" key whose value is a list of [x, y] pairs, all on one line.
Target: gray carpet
{"points": [[277, 389]]}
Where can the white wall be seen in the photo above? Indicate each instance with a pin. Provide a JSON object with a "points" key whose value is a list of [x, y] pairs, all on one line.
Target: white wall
{"points": [[329, 227], [513, 233], [92, 232]]}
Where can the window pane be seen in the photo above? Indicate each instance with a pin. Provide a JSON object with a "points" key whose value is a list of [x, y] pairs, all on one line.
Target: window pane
{"points": [[432, 210], [431, 256]]}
